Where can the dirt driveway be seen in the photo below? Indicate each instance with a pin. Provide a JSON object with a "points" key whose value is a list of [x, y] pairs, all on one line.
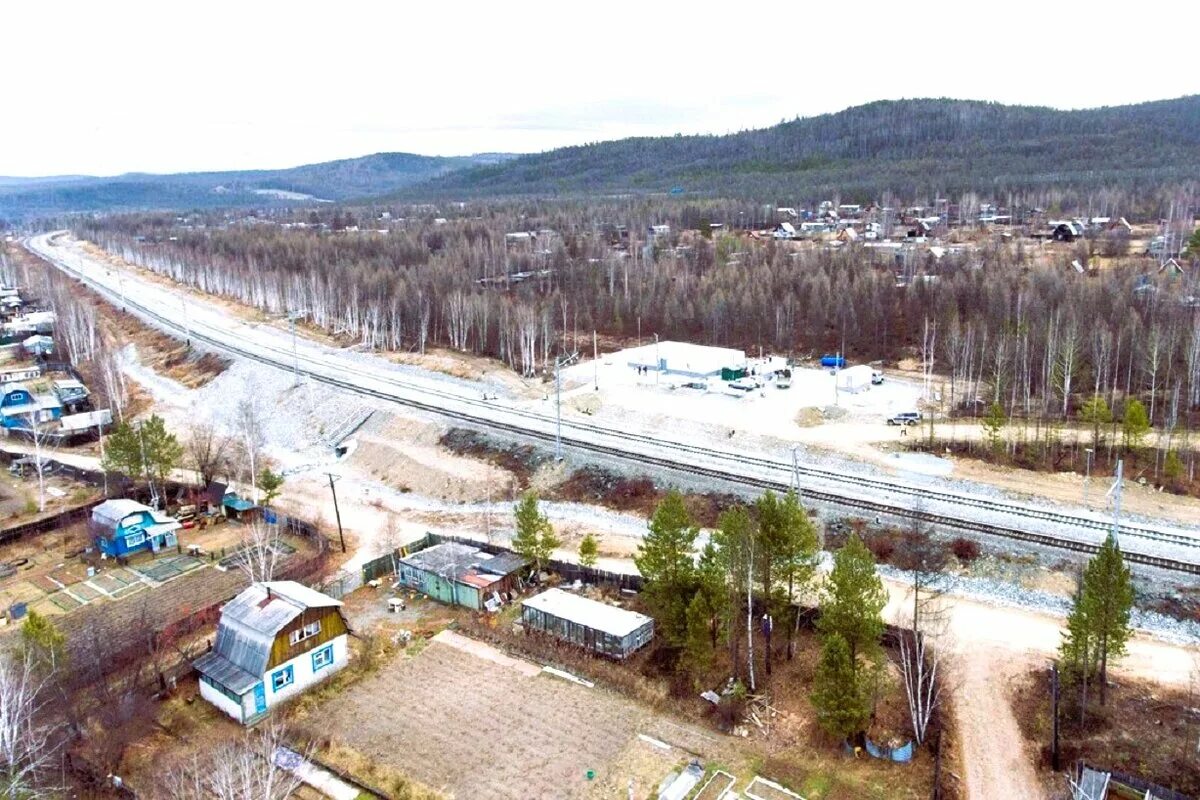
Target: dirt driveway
{"points": [[475, 723]]}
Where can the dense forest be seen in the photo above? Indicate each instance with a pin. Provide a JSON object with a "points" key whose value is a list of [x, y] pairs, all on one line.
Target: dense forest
{"points": [[332, 180], [995, 322], [908, 147]]}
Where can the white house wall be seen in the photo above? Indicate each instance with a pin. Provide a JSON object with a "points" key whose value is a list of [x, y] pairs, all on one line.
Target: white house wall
{"points": [[218, 699], [303, 675]]}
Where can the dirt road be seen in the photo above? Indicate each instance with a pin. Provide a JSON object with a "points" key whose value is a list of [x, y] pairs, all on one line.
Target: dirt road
{"points": [[990, 646]]}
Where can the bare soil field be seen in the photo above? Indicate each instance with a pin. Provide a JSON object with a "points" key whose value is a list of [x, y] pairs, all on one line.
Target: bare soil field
{"points": [[479, 727]]}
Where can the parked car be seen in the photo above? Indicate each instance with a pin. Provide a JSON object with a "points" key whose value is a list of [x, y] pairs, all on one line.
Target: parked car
{"points": [[905, 418], [28, 466], [876, 378]]}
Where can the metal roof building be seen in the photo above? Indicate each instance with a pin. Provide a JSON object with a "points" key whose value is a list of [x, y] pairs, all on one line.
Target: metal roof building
{"points": [[274, 639], [460, 574], [595, 626]]}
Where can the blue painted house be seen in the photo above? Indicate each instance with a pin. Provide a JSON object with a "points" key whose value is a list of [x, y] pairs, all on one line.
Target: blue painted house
{"points": [[18, 405], [126, 527]]}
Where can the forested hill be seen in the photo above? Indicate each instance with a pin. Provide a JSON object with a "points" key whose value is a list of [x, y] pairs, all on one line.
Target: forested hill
{"points": [[332, 180], [908, 147]]}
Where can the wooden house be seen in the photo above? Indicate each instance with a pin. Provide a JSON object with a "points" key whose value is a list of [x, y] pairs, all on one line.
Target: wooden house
{"points": [[462, 575], [121, 528], [274, 640]]}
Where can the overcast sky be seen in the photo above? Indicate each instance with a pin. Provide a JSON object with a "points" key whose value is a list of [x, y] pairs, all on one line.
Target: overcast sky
{"points": [[115, 86]]}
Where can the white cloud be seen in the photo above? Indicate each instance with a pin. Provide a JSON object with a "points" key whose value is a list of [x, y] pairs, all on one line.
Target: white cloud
{"points": [[109, 87]]}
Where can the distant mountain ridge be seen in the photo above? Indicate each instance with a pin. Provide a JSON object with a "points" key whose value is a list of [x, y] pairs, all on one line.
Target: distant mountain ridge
{"points": [[377, 174], [909, 147]]}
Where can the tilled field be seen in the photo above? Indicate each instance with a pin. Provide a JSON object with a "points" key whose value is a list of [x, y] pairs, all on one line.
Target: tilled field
{"points": [[477, 727]]}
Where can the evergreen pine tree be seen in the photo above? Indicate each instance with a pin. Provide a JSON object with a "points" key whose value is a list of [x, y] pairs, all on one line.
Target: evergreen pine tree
{"points": [[839, 695], [534, 538], [852, 602], [667, 565]]}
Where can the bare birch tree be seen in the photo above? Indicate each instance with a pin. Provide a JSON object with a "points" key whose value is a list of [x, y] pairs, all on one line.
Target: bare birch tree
{"points": [[259, 553], [29, 741], [257, 766]]}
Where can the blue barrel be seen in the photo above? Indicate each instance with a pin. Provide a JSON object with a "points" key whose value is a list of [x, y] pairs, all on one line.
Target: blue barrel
{"points": [[16, 610]]}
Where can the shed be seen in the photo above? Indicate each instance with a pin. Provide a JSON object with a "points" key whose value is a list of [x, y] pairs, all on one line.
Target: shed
{"points": [[595, 626], [855, 379], [460, 574]]}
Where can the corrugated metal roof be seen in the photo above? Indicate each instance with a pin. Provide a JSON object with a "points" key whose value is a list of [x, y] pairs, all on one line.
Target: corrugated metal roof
{"points": [[250, 621], [501, 564], [589, 613], [225, 672], [443, 559], [111, 512]]}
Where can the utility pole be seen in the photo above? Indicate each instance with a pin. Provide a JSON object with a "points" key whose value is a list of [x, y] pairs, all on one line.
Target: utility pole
{"points": [[657, 362], [332, 480], [596, 361], [292, 317], [1087, 473], [187, 325], [559, 363], [1116, 494], [1054, 716]]}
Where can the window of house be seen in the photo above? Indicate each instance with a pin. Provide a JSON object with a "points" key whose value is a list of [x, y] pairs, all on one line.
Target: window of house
{"points": [[322, 658], [282, 678], [134, 539], [307, 632]]}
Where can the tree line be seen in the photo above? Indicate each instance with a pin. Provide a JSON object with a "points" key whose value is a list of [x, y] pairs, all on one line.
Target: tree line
{"points": [[992, 324]]}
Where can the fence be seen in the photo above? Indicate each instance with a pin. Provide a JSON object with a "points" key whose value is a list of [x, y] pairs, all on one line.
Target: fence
{"points": [[1144, 788], [569, 571]]}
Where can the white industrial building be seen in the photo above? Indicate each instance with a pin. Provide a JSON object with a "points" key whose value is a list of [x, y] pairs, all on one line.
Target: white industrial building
{"points": [[683, 358], [854, 379]]}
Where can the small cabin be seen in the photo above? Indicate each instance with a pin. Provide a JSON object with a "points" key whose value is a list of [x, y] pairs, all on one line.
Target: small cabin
{"points": [[18, 406], [122, 528], [274, 640]]}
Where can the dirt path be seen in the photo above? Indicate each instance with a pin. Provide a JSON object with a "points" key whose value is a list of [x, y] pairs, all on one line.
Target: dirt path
{"points": [[991, 646]]}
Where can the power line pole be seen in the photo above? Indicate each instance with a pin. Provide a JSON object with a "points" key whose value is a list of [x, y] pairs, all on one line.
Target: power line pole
{"points": [[337, 513]]}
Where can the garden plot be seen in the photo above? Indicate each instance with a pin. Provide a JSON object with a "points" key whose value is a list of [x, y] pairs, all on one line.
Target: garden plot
{"points": [[523, 734]]}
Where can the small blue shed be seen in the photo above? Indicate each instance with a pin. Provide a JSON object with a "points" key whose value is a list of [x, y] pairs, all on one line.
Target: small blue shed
{"points": [[124, 527]]}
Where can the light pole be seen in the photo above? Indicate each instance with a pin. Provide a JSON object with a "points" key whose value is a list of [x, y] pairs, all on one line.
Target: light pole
{"points": [[559, 363], [657, 361], [187, 325], [1087, 472], [292, 317]]}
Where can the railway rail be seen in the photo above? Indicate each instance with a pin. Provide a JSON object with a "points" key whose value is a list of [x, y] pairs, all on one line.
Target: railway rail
{"points": [[689, 457]]}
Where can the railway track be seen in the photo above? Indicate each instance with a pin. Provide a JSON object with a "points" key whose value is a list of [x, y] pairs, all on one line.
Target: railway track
{"points": [[689, 458]]}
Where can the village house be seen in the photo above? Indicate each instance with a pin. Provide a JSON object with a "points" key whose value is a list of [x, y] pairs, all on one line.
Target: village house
{"points": [[274, 640], [123, 527], [459, 574], [18, 406]]}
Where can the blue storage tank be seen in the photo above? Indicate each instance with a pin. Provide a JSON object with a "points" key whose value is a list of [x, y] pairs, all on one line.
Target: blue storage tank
{"points": [[833, 361], [16, 610]]}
